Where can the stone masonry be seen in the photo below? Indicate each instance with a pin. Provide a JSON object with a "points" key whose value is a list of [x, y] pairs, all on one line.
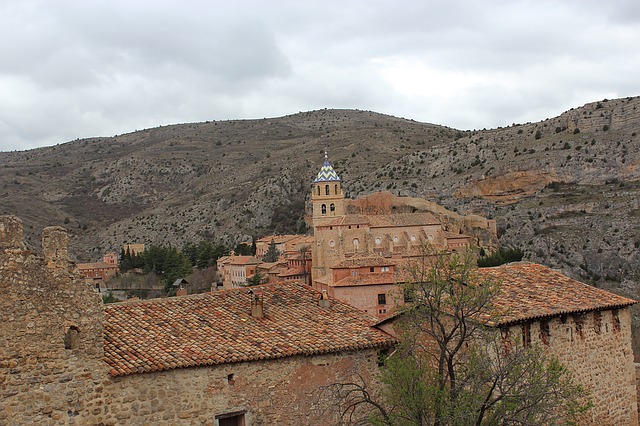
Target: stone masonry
{"points": [[53, 372], [596, 347], [51, 367]]}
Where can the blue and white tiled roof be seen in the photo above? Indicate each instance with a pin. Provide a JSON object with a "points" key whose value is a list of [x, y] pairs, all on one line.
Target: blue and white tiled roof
{"points": [[326, 173]]}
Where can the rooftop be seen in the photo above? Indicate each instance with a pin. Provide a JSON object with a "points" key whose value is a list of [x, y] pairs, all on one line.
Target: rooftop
{"points": [[374, 278], [326, 173], [217, 328], [532, 291]]}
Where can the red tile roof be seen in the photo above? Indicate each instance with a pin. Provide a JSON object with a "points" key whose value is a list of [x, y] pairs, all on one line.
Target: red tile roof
{"points": [[96, 265], [532, 291], [241, 260], [217, 328], [299, 270], [373, 278]]}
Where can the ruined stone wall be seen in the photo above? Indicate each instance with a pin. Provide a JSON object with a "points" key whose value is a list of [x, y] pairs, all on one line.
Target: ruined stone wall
{"points": [[596, 347], [51, 368], [284, 391]]}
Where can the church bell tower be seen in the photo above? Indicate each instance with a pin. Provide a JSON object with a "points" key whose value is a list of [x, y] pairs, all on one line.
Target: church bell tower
{"points": [[326, 195]]}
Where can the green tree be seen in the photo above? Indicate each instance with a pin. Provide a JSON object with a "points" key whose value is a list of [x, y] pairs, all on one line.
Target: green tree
{"points": [[451, 368], [168, 263], [243, 249], [272, 254], [257, 279], [502, 256]]}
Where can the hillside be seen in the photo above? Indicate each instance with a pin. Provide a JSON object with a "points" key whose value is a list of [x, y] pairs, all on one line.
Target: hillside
{"points": [[566, 190]]}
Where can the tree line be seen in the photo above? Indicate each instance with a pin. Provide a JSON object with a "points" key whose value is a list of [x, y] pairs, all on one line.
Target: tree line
{"points": [[170, 263]]}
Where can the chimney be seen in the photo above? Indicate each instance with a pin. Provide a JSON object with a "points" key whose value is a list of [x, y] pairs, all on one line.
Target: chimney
{"points": [[257, 306], [324, 300]]}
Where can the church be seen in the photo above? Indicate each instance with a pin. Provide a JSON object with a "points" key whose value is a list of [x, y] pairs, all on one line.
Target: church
{"points": [[362, 245]]}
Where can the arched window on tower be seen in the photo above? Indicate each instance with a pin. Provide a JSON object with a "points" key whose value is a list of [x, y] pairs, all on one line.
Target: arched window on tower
{"points": [[318, 189], [335, 189], [332, 207], [326, 189], [324, 209]]}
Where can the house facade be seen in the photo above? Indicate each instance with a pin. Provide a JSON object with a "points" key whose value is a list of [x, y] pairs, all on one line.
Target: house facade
{"points": [[235, 270]]}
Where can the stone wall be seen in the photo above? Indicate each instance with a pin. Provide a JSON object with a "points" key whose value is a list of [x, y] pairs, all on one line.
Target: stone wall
{"points": [[283, 391], [51, 368], [596, 347]]}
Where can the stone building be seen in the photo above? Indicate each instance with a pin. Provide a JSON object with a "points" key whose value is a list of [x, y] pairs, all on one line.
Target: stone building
{"points": [[586, 328], [222, 358], [358, 236], [235, 270]]}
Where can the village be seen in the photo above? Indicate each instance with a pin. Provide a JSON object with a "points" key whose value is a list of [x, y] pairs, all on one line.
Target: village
{"points": [[276, 327]]}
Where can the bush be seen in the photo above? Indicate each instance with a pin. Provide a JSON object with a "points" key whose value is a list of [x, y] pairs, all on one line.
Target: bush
{"points": [[576, 131], [538, 134], [502, 256]]}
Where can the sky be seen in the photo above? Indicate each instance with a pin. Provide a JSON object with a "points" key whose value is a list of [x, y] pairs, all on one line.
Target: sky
{"points": [[82, 68]]}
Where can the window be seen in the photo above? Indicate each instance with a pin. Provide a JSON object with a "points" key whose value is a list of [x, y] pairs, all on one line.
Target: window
{"points": [[382, 299], [396, 239], [332, 243], [326, 189], [324, 209], [71, 338], [318, 189], [332, 207], [231, 419], [615, 319], [356, 242], [372, 269], [597, 321], [335, 189], [385, 269], [378, 241], [354, 272], [544, 331], [526, 335]]}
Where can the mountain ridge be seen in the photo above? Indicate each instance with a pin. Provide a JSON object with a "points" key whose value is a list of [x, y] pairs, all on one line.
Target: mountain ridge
{"points": [[564, 189]]}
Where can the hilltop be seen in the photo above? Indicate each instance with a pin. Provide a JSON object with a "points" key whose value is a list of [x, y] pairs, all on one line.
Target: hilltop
{"points": [[566, 189]]}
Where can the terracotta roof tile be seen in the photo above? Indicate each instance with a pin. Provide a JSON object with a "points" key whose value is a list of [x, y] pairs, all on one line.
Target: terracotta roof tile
{"points": [[241, 260], [298, 270], [531, 291], [368, 279], [217, 328], [96, 265]]}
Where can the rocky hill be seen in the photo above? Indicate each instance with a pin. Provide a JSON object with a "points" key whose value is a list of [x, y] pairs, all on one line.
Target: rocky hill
{"points": [[566, 190]]}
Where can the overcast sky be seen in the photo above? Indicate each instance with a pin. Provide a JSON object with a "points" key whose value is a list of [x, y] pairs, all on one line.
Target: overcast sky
{"points": [[83, 68]]}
